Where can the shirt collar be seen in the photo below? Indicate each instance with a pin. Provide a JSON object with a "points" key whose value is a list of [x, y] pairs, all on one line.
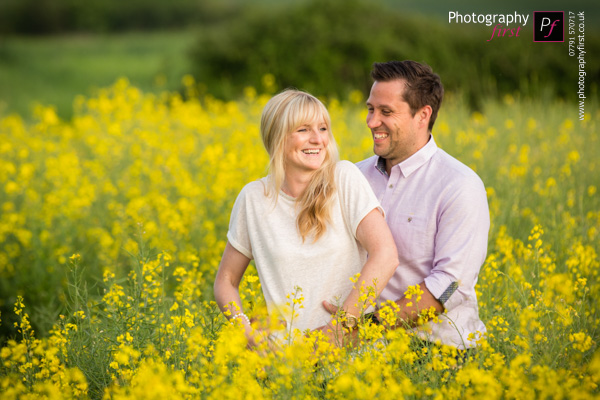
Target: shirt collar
{"points": [[412, 163]]}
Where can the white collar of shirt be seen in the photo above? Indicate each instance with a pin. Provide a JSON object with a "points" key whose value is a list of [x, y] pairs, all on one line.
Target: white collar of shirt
{"points": [[412, 163]]}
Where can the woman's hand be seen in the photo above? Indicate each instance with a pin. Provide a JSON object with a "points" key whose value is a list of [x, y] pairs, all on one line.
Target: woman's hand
{"points": [[258, 335], [336, 334]]}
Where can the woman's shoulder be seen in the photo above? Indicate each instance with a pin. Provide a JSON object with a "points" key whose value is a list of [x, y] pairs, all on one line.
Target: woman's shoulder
{"points": [[254, 188], [349, 178], [345, 169]]}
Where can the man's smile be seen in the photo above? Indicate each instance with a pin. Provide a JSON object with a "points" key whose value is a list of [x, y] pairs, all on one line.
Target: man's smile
{"points": [[380, 135]]}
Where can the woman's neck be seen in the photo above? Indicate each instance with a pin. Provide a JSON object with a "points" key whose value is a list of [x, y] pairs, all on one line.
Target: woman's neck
{"points": [[295, 184]]}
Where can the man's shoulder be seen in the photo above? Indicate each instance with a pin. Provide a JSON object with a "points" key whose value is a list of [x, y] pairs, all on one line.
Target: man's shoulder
{"points": [[456, 178], [454, 167], [367, 163]]}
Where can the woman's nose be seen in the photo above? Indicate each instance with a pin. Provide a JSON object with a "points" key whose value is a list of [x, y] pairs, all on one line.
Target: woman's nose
{"points": [[315, 136]]}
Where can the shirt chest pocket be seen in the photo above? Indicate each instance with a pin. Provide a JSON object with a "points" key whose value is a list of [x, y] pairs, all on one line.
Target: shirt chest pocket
{"points": [[412, 239]]}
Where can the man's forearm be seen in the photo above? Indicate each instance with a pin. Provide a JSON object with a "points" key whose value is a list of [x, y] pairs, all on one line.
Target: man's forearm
{"points": [[409, 310]]}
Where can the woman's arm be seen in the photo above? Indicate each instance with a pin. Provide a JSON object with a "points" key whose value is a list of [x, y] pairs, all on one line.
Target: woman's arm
{"points": [[375, 236], [226, 287]]}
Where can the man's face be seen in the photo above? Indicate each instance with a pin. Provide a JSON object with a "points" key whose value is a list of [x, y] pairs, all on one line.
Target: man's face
{"points": [[397, 134]]}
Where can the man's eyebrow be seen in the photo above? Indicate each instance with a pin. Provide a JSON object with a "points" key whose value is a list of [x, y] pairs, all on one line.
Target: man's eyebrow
{"points": [[379, 106]]}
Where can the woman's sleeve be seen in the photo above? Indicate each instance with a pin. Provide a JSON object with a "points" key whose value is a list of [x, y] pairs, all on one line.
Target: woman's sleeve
{"points": [[238, 235], [356, 196]]}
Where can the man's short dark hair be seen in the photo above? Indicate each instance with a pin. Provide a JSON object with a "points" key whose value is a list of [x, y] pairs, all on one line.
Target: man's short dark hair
{"points": [[423, 86]]}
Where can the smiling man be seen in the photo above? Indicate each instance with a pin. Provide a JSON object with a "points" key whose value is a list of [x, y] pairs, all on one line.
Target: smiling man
{"points": [[436, 206]]}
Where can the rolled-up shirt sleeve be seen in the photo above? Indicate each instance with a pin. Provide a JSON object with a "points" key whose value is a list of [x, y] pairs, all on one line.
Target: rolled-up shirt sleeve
{"points": [[460, 242]]}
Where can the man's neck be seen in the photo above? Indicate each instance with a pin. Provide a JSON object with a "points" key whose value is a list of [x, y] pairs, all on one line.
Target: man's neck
{"points": [[391, 162]]}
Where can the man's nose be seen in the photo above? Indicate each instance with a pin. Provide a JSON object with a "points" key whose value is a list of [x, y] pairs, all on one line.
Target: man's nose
{"points": [[373, 121]]}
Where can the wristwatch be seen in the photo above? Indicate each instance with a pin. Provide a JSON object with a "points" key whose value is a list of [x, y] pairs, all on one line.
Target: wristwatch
{"points": [[349, 321], [371, 317]]}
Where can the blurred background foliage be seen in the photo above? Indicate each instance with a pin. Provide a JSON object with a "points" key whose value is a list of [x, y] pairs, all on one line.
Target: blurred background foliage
{"points": [[328, 48], [323, 47], [64, 16]]}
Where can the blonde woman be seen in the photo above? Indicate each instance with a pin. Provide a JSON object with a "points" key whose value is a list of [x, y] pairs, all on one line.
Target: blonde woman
{"points": [[311, 223]]}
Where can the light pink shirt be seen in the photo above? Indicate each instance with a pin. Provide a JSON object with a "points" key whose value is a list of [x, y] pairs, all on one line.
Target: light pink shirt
{"points": [[437, 211]]}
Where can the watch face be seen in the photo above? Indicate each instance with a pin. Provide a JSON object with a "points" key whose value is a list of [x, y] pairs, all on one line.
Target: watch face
{"points": [[351, 321]]}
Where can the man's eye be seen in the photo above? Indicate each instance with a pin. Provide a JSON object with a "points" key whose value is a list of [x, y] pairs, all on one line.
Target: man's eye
{"points": [[386, 112]]}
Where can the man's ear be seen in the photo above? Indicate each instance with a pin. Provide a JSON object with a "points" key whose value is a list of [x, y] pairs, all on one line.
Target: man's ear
{"points": [[423, 115]]}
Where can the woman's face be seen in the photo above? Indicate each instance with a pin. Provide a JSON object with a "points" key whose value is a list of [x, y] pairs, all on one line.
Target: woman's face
{"points": [[306, 147]]}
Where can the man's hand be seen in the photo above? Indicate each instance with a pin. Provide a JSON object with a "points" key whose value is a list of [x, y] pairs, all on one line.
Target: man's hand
{"points": [[410, 309]]}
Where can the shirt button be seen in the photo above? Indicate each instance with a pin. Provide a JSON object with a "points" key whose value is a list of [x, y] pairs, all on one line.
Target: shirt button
{"points": [[391, 186]]}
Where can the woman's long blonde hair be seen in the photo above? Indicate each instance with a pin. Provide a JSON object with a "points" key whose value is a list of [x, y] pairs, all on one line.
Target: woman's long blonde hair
{"points": [[281, 116]]}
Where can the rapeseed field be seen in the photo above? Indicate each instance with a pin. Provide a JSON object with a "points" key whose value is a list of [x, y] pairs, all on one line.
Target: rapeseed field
{"points": [[118, 217]]}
